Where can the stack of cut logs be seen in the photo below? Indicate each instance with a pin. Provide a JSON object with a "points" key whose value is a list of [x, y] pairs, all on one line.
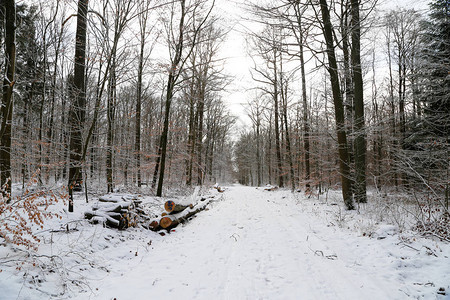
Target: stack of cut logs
{"points": [[115, 211], [125, 211], [177, 214]]}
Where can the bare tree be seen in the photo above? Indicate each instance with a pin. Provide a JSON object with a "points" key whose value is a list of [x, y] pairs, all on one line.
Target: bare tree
{"points": [[143, 19], [360, 140], [268, 47], [255, 111], [9, 7], [175, 69], [77, 109], [122, 14], [338, 105]]}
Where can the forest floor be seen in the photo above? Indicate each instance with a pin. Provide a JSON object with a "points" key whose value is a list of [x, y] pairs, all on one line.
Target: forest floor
{"points": [[249, 244]]}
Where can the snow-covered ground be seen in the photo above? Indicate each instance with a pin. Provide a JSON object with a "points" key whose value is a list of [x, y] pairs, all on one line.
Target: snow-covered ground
{"points": [[249, 244]]}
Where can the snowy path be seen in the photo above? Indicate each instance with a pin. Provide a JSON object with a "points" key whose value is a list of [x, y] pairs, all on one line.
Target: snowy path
{"points": [[251, 245]]}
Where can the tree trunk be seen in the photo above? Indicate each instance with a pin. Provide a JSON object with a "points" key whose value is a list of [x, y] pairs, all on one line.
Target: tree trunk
{"points": [[305, 108], [193, 117], [26, 130], [77, 111], [269, 151], [201, 110], [393, 159], [348, 87], [7, 99], [169, 95], [110, 117], [338, 106], [258, 151], [276, 120], [164, 134], [137, 141], [50, 131], [360, 140], [284, 97], [156, 170], [191, 137]]}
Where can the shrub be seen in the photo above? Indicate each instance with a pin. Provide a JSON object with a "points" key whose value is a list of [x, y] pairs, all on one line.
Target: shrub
{"points": [[20, 216]]}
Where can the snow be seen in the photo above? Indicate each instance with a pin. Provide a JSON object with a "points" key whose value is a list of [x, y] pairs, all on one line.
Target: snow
{"points": [[249, 244]]}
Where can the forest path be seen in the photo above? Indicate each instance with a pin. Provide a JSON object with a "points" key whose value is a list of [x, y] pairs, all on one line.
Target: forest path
{"points": [[252, 244]]}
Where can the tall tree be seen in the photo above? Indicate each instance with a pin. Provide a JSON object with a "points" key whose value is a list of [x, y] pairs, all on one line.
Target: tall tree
{"points": [[284, 95], [300, 34], [255, 110], [401, 27], [435, 95], [268, 74], [289, 16], [173, 76], [344, 165], [358, 93], [175, 70], [9, 8], [143, 32], [78, 107], [110, 116], [435, 69]]}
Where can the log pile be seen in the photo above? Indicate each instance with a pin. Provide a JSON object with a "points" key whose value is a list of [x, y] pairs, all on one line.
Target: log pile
{"points": [[177, 214], [115, 211], [122, 212]]}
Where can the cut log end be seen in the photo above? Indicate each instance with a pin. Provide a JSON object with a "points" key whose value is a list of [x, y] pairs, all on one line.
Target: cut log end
{"points": [[172, 207], [165, 222], [169, 206]]}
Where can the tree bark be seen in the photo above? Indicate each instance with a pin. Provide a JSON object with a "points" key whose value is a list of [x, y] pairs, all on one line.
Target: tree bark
{"points": [[338, 106], [77, 111], [169, 95], [258, 150], [7, 99], [276, 119], [393, 159], [349, 105], [360, 140], [199, 140], [137, 142], [284, 100], [191, 137], [111, 117], [305, 108]]}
